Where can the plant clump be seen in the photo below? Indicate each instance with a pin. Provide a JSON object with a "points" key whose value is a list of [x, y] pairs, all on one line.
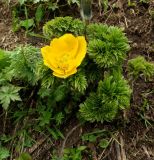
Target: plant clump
{"points": [[95, 91], [113, 94], [60, 25], [139, 66], [107, 45]]}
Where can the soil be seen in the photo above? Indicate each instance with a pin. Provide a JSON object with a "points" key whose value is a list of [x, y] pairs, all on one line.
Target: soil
{"points": [[135, 135]]}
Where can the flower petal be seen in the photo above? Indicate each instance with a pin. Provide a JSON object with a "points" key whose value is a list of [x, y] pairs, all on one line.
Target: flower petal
{"points": [[48, 57], [66, 74], [66, 43], [50, 61], [82, 49]]}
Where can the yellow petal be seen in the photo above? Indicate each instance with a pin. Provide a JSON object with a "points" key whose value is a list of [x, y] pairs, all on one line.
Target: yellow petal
{"points": [[49, 59], [81, 51], [66, 74], [48, 56], [57, 47], [70, 41], [65, 44]]}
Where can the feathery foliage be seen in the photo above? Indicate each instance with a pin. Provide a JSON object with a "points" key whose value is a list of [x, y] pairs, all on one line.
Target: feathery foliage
{"points": [[140, 67], [79, 82], [23, 62], [61, 25], [113, 93], [107, 45]]}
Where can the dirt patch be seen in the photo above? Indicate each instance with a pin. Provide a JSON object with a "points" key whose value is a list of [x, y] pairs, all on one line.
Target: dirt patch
{"points": [[8, 39]]}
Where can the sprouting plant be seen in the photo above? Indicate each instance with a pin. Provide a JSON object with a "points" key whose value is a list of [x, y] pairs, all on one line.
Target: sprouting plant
{"points": [[30, 21], [113, 94], [131, 3], [93, 136], [98, 136], [139, 66]]}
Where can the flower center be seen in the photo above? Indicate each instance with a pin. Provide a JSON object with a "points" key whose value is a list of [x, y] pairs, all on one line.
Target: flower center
{"points": [[63, 62]]}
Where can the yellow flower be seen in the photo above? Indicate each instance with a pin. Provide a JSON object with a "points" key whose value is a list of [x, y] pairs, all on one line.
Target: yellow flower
{"points": [[64, 54]]}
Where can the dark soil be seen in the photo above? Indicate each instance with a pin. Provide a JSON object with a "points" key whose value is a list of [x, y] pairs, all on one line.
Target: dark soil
{"points": [[136, 134]]}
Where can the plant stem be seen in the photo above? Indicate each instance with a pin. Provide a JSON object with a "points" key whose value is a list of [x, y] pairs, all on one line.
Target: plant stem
{"points": [[4, 123]]}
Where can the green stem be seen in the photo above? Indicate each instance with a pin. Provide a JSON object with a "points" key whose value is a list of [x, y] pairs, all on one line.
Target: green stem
{"points": [[4, 124]]}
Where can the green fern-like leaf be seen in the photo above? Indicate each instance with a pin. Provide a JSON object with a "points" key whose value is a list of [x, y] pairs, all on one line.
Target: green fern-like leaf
{"points": [[107, 45], [79, 82], [60, 93], [61, 25], [97, 31], [24, 64], [93, 73], [112, 94], [45, 75], [7, 94]]}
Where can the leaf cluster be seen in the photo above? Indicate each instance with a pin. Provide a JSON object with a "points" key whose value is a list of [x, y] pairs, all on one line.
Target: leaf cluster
{"points": [[23, 64], [61, 25], [107, 45], [113, 94], [27, 70], [139, 66]]}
